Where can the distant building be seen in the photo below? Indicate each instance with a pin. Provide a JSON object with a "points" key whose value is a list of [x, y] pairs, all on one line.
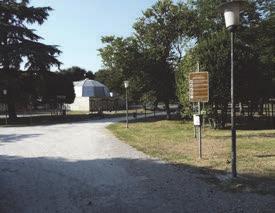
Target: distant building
{"points": [[85, 91]]}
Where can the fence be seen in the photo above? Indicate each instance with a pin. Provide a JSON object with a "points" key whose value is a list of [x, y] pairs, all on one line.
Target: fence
{"points": [[106, 104]]}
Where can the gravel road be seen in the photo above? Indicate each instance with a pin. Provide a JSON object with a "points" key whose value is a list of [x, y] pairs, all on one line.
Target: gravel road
{"points": [[81, 167]]}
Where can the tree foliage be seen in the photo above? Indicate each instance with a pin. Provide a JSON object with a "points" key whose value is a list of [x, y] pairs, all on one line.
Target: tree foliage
{"points": [[76, 73], [51, 85], [169, 40], [149, 58], [123, 61], [18, 42], [254, 55], [20, 47]]}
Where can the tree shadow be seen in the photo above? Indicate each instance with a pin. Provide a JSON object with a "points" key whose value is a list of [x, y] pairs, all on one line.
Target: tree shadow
{"points": [[47, 120], [265, 156], [65, 120], [115, 185], [9, 138], [252, 124], [261, 135], [152, 119]]}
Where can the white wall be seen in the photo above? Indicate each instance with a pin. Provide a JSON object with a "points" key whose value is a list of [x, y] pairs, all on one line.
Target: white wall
{"points": [[80, 104], [78, 91]]}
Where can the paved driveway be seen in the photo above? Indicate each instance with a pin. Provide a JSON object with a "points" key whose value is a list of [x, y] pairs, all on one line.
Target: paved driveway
{"points": [[81, 167]]}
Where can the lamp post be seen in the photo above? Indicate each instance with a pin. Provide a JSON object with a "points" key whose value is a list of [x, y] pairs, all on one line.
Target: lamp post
{"points": [[5, 92], [126, 85], [231, 12]]}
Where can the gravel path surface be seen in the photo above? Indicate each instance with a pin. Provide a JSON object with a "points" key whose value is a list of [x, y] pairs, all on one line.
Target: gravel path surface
{"points": [[81, 167]]}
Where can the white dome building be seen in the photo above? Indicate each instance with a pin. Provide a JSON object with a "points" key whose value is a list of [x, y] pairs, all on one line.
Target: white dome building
{"points": [[84, 91], [90, 88]]}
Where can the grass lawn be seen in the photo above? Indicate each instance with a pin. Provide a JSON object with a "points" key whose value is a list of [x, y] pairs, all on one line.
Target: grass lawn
{"points": [[174, 141]]}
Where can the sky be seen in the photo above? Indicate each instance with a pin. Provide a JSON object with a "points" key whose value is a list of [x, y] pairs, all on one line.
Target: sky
{"points": [[77, 27]]}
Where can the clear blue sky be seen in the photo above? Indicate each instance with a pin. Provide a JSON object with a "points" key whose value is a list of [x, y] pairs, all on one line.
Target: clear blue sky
{"points": [[77, 26]]}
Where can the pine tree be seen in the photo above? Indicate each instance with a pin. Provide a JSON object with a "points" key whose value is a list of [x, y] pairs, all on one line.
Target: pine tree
{"points": [[19, 44]]}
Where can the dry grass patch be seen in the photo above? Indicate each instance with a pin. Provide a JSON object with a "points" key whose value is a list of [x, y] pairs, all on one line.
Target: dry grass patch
{"points": [[173, 141]]}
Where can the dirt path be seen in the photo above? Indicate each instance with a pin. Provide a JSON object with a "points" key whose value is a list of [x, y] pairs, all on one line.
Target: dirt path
{"points": [[81, 167]]}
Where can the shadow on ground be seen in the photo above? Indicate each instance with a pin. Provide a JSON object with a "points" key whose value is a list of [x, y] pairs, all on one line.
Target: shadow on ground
{"points": [[115, 185], [49, 120], [9, 138], [251, 135], [59, 119]]}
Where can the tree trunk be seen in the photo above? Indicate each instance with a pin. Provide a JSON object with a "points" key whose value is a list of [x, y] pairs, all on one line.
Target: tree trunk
{"points": [[12, 111], [167, 107], [224, 115]]}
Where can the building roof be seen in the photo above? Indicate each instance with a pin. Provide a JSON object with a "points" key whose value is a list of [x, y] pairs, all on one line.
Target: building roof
{"points": [[90, 88], [88, 83]]}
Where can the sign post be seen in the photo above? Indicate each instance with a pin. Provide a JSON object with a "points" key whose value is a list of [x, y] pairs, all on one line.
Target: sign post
{"points": [[199, 92]]}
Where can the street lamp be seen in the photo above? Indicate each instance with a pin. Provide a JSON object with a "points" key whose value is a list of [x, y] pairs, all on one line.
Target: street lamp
{"points": [[231, 12], [126, 85], [5, 92]]}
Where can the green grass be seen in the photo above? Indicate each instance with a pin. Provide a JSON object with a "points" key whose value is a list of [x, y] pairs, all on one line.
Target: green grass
{"points": [[173, 141]]}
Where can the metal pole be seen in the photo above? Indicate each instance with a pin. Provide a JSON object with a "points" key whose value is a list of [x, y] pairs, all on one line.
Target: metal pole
{"points": [[233, 128], [200, 142], [199, 113], [126, 109]]}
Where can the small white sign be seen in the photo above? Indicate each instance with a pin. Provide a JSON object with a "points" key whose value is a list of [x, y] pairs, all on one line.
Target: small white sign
{"points": [[196, 119]]}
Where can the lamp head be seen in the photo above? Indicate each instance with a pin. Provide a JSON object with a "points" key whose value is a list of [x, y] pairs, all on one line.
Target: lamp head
{"points": [[5, 92], [126, 84], [231, 11]]}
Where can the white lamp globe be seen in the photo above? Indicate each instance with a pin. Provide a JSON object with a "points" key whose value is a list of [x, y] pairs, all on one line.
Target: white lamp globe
{"points": [[126, 84], [232, 16], [231, 11]]}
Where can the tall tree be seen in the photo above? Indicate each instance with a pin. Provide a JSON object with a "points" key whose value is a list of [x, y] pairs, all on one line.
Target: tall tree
{"points": [[123, 61], [253, 57], [50, 85], [19, 43], [90, 75], [161, 33], [74, 73]]}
